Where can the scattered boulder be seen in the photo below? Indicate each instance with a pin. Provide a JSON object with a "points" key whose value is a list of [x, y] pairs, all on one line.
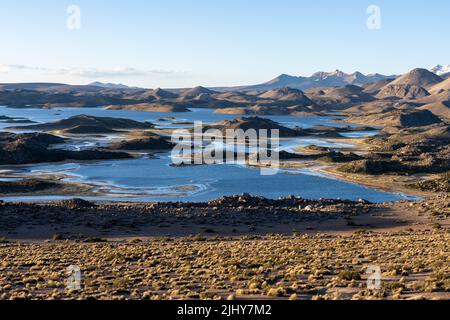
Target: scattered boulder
{"points": [[42, 139], [6, 119], [77, 203]]}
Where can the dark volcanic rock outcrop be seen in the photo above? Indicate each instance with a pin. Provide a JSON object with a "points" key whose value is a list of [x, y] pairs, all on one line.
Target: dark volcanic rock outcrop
{"points": [[339, 157], [369, 166], [6, 119], [145, 143], [26, 186], [256, 123], [411, 150], [89, 130], [34, 148], [429, 137], [89, 122]]}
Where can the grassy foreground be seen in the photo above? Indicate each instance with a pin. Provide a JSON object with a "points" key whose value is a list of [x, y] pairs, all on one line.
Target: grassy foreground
{"points": [[414, 265]]}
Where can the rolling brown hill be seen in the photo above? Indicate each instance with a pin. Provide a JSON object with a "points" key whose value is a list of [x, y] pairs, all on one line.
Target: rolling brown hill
{"points": [[418, 77], [398, 118], [287, 94], [374, 88], [341, 97], [441, 86], [402, 91], [195, 92], [379, 106], [440, 109]]}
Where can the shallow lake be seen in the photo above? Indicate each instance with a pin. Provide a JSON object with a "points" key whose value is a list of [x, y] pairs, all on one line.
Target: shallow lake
{"points": [[154, 179]]}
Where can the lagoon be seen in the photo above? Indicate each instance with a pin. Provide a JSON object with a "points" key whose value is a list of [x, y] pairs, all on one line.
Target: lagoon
{"points": [[154, 179]]}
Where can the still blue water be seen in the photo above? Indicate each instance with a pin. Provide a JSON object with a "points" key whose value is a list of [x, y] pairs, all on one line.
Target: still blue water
{"points": [[150, 179], [155, 180], [205, 115]]}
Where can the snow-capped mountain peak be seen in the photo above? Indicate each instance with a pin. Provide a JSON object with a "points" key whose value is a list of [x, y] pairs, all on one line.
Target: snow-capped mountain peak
{"points": [[441, 69]]}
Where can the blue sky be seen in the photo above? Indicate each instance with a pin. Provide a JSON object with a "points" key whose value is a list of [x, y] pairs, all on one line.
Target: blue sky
{"points": [[180, 43]]}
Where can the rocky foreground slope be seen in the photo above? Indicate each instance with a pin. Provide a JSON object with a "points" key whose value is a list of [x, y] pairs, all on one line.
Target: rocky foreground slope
{"points": [[412, 265]]}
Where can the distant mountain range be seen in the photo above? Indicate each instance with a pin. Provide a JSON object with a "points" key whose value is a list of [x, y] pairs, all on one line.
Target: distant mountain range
{"points": [[326, 79], [319, 79], [108, 85], [323, 91], [440, 70]]}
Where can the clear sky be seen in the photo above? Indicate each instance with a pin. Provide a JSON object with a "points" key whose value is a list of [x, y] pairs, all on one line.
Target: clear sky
{"points": [[181, 43]]}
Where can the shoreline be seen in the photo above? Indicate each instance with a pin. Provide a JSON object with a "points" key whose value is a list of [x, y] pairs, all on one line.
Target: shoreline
{"points": [[392, 185], [372, 182], [227, 216]]}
